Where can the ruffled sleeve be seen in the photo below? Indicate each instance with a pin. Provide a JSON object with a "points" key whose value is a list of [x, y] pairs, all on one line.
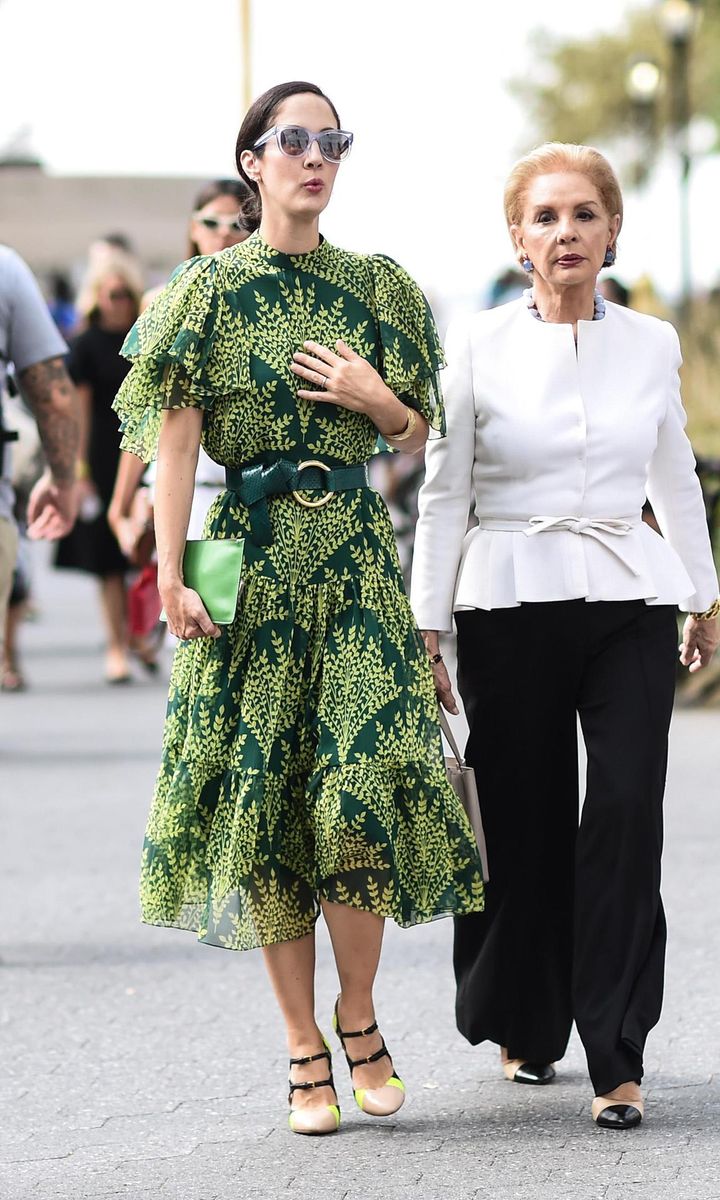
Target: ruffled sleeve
{"points": [[186, 352], [411, 353]]}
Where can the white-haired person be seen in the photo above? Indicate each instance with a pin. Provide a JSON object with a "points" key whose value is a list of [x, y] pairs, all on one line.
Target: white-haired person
{"points": [[563, 415]]}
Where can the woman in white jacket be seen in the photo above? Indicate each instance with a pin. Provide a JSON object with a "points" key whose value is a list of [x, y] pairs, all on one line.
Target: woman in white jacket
{"points": [[563, 414]]}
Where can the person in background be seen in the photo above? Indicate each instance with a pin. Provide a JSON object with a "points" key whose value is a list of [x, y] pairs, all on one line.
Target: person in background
{"points": [[612, 289], [110, 246], [563, 412], [216, 223], [218, 218], [508, 285], [12, 678], [109, 302], [62, 305], [32, 345]]}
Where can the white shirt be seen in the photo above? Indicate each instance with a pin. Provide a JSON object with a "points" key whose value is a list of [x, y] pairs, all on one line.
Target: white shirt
{"points": [[208, 472], [559, 445]]}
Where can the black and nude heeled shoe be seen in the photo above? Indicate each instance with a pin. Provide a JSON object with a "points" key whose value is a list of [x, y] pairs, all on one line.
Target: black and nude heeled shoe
{"points": [[519, 1070], [325, 1119], [617, 1114], [376, 1102]]}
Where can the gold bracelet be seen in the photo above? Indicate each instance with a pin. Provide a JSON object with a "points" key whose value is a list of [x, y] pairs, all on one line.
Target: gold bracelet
{"points": [[710, 613], [82, 469], [407, 432]]}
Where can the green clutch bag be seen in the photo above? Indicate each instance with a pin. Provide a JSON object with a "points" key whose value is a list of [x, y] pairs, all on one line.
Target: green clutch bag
{"points": [[212, 568]]}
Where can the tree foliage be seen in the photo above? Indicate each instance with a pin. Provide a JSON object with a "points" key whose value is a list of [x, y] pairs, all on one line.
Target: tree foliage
{"points": [[578, 91]]}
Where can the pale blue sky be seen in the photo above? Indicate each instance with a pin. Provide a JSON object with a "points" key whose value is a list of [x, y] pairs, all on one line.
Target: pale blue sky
{"points": [[153, 86]]}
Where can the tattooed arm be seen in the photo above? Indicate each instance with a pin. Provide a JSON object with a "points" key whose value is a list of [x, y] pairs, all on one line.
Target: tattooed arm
{"points": [[49, 392]]}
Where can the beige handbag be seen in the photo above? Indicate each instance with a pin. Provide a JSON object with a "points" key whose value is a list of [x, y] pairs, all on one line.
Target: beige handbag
{"points": [[463, 783]]}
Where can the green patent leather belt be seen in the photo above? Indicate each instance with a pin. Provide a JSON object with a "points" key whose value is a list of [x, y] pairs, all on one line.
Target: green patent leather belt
{"points": [[255, 484]]}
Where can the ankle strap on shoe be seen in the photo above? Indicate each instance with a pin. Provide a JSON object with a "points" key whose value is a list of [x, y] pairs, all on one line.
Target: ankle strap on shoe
{"points": [[308, 1058], [312, 1083], [309, 1087], [371, 1058], [342, 1033]]}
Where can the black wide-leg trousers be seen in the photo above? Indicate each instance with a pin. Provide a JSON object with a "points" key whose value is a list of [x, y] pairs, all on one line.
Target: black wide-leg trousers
{"points": [[573, 926]]}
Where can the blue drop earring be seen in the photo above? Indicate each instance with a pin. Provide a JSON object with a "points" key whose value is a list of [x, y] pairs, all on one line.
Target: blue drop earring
{"points": [[527, 265], [610, 256]]}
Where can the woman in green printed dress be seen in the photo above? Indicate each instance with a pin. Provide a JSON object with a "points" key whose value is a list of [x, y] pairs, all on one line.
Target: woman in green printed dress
{"points": [[302, 768]]}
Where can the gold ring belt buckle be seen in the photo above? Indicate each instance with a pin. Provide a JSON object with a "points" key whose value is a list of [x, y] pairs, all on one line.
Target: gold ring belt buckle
{"points": [[323, 500]]}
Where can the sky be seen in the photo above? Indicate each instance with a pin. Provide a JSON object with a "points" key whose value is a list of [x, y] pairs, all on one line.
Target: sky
{"points": [[155, 87]]}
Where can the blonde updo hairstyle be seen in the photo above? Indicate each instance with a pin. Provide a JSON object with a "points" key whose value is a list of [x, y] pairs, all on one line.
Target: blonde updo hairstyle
{"points": [[553, 158]]}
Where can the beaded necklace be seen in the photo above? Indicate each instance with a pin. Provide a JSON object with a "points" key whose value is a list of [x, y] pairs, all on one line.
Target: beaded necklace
{"points": [[598, 312]]}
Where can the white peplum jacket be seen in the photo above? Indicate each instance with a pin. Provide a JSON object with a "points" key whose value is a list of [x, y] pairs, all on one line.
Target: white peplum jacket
{"points": [[558, 447]]}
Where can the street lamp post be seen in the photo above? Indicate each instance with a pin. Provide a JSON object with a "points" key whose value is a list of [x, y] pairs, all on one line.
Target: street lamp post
{"points": [[246, 44], [643, 82], [679, 20]]}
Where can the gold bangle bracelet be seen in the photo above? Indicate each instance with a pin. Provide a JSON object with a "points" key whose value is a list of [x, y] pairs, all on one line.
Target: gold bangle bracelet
{"points": [[710, 613], [407, 432]]}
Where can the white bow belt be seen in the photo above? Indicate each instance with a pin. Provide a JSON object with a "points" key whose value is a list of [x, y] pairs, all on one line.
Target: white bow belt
{"points": [[605, 530]]}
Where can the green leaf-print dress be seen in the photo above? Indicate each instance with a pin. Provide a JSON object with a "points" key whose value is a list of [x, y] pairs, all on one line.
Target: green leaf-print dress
{"points": [[301, 756]]}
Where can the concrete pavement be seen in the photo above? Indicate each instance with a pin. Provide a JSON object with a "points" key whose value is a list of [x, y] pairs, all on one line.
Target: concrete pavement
{"points": [[136, 1063]]}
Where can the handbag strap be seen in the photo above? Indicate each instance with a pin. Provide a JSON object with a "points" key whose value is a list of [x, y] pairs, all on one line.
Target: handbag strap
{"points": [[450, 737]]}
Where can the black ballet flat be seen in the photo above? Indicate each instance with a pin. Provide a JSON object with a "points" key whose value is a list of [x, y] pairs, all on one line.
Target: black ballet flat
{"points": [[119, 680], [609, 1114], [519, 1071]]}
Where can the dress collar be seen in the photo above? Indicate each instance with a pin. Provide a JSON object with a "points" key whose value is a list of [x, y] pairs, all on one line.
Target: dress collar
{"points": [[598, 314], [262, 251]]}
